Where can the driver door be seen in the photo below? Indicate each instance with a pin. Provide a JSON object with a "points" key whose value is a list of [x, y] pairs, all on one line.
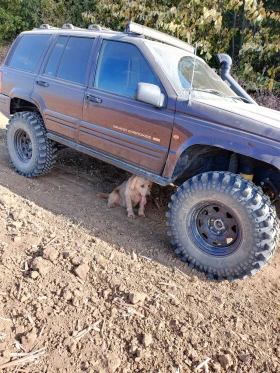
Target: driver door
{"points": [[115, 123]]}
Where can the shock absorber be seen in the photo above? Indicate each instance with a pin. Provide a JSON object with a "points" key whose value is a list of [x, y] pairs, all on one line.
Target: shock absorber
{"points": [[246, 167], [233, 163]]}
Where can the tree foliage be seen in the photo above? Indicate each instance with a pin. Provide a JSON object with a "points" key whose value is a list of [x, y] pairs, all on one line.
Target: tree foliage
{"points": [[58, 12], [17, 15], [248, 30], [20, 15]]}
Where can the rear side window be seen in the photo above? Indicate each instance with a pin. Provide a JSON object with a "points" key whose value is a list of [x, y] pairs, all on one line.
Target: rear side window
{"points": [[54, 60], [69, 59], [28, 52]]}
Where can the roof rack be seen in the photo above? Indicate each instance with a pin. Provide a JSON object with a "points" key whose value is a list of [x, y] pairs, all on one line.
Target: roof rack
{"points": [[46, 26], [132, 27], [70, 26], [95, 27]]}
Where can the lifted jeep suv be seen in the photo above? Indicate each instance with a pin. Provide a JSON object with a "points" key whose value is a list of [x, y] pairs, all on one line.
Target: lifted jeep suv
{"points": [[157, 110]]}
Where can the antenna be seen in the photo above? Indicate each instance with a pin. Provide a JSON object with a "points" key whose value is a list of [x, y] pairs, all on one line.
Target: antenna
{"points": [[191, 87]]}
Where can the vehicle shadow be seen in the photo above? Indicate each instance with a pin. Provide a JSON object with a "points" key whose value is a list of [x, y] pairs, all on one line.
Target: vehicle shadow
{"points": [[70, 190]]}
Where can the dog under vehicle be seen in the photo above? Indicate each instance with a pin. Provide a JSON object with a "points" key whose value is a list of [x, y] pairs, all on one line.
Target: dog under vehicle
{"points": [[152, 107]]}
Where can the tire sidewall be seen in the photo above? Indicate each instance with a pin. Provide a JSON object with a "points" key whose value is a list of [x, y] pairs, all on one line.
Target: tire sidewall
{"points": [[185, 209]]}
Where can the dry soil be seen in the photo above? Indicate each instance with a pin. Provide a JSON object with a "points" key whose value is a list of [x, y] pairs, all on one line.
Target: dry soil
{"points": [[84, 289], [102, 293]]}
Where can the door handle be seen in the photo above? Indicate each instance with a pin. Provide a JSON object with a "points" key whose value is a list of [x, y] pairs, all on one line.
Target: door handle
{"points": [[95, 99], [40, 82]]}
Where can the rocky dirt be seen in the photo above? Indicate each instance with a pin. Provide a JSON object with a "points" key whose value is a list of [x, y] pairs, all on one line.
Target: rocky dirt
{"points": [[84, 289], [101, 293]]}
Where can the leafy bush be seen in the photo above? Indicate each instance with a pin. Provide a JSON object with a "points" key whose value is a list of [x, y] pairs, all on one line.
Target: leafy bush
{"points": [[248, 30], [245, 29], [20, 15], [58, 12], [16, 16]]}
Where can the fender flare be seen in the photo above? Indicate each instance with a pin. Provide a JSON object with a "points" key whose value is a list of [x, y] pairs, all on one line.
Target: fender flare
{"points": [[22, 94], [264, 150]]}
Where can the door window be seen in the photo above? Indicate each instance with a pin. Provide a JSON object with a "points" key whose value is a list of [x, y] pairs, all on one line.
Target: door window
{"points": [[121, 66], [52, 65], [69, 59]]}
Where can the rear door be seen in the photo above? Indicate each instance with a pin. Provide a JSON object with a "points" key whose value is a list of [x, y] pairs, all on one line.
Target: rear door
{"points": [[60, 87], [115, 123]]}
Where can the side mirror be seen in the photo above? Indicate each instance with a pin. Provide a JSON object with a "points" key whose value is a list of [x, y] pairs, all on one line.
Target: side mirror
{"points": [[150, 94]]}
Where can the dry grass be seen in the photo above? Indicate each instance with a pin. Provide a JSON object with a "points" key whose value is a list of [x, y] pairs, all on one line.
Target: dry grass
{"points": [[4, 48], [268, 99]]}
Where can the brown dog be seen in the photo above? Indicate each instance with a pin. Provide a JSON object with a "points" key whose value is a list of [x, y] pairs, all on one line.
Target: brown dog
{"points": [[131, 192]]}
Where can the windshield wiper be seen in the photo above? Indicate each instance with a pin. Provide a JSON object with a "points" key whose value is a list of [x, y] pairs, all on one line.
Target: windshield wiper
{"points": [[208, 90], [214, 91], [220, 94], [241, 98]]}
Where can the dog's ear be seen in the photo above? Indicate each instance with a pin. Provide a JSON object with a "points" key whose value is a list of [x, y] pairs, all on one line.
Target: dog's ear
{"points": [[133, 182]]}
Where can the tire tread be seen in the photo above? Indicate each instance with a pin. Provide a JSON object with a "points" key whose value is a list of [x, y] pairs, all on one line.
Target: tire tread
{"points": [[261, 211], [47, 148]]}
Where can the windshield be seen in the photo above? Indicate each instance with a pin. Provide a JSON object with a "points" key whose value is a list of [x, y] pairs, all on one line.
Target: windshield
{"points": [[179, 66]]}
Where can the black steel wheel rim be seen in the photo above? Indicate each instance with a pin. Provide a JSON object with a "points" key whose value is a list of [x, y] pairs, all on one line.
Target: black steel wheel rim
{"points": [[23, 145], [215, 229]]}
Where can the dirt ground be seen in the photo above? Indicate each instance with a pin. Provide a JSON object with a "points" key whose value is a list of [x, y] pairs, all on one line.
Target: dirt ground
{"points": [[85, 289]]}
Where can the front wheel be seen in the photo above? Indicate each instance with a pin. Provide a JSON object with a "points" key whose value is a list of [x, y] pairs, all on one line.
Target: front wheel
{"points": [[223, 225]]}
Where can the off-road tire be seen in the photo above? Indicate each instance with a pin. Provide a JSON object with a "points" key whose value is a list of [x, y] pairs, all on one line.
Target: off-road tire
{"points": [[31, 152], [245, 213]]}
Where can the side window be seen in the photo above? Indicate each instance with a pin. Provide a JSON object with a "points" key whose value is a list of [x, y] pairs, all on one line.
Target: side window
{"points": [[28, 52], [69, 59], [52, 65], [121, 67], [74, 61]]}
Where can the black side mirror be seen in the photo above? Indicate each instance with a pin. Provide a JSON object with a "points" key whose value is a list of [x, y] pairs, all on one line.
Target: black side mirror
{"points": [[150, 94]]}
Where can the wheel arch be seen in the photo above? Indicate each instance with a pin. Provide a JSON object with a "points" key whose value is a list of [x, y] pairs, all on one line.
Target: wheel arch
{"points": [[19, 104], [22, 101], [267, 153]]}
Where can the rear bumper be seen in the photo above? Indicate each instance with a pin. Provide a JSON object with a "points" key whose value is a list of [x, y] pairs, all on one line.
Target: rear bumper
{"points": [[5, 105]]}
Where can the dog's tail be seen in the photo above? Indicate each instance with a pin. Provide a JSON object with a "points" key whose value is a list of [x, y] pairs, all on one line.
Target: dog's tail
{"points": [[103, 195]]}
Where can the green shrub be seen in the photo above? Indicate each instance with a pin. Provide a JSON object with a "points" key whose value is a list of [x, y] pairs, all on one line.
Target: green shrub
{"points": [[245, 29], [248, 30], [18, 15]]}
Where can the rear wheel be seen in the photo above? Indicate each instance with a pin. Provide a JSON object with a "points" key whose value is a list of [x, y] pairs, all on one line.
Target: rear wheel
{"points": [[223, 225], [29, 149]]}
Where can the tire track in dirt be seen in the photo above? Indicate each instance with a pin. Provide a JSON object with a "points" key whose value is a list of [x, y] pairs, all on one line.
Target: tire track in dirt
{"points": [[180, 318]]}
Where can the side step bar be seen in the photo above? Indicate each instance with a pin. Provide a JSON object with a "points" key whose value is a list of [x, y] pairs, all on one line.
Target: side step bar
{"points": [[116, 162]]}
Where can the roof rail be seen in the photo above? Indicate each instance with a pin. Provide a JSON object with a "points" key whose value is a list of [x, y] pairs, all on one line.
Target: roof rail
{"points": [[46, 26], [70, 26], [132, 27], [95, 27]]}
